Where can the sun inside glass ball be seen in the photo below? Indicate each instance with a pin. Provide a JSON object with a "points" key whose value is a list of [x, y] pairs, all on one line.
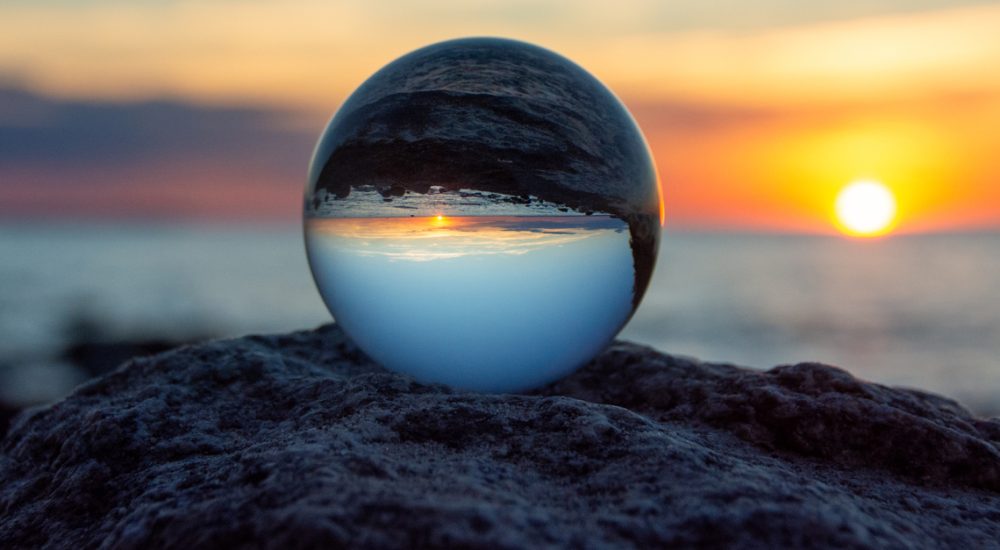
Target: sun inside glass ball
{"points": [[482, 213]]}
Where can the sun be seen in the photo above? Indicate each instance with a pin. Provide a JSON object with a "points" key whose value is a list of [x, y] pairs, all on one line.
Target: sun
{"points": [[866, 209], [439, 221]]}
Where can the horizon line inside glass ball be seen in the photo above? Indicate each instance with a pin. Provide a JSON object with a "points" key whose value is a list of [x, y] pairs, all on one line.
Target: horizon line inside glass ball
{"points": [[482, 213]]}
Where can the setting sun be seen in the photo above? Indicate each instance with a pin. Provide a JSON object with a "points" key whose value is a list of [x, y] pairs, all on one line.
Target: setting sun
{"points": [[866, 209], [439, 221]]}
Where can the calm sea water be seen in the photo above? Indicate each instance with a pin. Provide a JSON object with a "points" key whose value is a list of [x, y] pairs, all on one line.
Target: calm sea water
{"points": [[913, 311]]}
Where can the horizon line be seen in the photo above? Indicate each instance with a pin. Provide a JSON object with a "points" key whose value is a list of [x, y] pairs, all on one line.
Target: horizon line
{"points": [[284, 223]]}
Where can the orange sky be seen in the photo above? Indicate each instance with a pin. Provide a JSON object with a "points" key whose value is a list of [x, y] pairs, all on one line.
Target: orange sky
{"points": [[756, 117]]}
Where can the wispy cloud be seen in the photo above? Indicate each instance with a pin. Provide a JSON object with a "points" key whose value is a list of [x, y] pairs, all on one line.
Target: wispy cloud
{"points": [[312, 53], [39, 129], [148, 158]]}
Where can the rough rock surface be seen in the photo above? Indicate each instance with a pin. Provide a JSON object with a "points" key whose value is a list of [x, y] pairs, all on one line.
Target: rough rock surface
{"points": [[299, 441]]}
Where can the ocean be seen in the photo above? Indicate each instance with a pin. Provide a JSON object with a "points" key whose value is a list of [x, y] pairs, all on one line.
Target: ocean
{"points": [[914, 311]]}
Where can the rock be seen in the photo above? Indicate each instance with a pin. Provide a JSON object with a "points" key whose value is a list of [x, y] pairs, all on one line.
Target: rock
{"points": [[7, 412], [96, 357], [299, 441]]}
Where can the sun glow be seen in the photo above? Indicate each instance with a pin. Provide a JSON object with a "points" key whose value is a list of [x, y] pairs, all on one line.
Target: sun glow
{"points": [[866, 209]]}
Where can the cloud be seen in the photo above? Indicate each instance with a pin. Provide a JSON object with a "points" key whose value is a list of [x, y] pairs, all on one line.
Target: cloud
{"points": [[897, 57], [35, 129], [314, 52], [149, 159]]}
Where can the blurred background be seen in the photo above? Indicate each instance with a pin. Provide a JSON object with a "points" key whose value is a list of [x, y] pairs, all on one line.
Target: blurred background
{"points": [[153, 156]]}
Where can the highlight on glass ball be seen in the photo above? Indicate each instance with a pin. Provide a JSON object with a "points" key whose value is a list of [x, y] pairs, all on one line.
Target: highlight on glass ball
{"points": [[482, 213]]}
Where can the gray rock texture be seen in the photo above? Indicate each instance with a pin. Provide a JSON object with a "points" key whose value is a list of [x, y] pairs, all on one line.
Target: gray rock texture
{"points": [[297, 440]]}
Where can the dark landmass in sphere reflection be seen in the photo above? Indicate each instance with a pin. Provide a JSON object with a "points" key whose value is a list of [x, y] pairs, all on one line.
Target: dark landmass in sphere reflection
{"points": [[495, 116]]}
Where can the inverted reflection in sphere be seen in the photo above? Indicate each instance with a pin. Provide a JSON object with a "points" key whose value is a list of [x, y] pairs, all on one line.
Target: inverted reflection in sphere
{"points": [[482, 213]]}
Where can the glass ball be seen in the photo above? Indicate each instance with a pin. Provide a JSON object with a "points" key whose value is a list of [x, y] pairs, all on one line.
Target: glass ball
{"points": [[482, 213]]}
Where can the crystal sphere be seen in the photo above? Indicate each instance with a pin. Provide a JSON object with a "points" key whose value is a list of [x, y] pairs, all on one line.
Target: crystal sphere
{"points": [[482, 213]]}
